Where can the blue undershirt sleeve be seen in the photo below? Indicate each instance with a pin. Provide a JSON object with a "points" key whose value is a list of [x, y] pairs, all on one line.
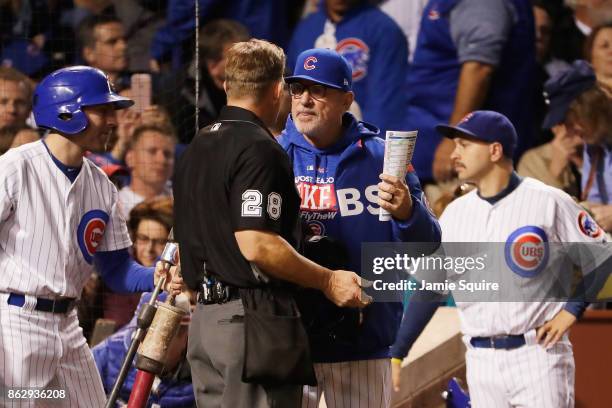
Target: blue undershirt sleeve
{"points": [[121, 273]]}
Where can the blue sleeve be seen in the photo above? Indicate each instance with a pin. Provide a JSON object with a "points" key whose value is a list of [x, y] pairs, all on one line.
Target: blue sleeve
{"points": [[180, 24], [384, 102], [100, 354], [480, 32], [588, 288], [121, 273], [421, 308], [422, 226], [576, 308]]}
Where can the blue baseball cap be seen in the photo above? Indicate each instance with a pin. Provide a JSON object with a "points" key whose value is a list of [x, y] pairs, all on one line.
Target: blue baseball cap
{"points": [[488, 126], [562, 89], [325, 67]]}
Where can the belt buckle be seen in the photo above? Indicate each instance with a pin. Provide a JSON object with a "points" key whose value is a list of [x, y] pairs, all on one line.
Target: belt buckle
{"points": [[493, 340]]}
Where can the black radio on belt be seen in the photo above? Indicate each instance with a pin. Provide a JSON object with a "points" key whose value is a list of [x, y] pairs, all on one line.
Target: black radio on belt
{"points": [[213, 291]]}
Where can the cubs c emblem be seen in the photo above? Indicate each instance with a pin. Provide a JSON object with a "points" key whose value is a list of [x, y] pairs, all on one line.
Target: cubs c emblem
{"points": [[588, 226], [357, 53], [317, 228], [309, 63], [526, 251], [90, 232], [466, 117]]}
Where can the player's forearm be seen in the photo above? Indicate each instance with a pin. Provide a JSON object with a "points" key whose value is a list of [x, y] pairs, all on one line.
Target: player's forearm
{"points": [[474, 83], [119, 271], [276, 258], [420, 310]]}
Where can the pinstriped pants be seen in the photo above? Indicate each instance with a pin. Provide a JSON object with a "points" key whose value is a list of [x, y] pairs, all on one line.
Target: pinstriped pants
{"points": [[528, 376], [362, 383], [46, 350]]}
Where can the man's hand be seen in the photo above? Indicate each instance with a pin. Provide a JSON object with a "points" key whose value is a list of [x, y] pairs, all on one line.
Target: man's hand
{"points": [[442, 167], [602, 213], [173, 281], [396, 373], [565, 148], [344, 289], [550, 333], [394, 196]]}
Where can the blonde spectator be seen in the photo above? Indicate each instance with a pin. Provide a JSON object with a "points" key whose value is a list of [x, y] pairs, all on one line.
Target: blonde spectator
{"points": [[150, 159]]}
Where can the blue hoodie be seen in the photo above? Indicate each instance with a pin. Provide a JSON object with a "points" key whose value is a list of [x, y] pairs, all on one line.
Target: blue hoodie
{"points": [[338, 186]]}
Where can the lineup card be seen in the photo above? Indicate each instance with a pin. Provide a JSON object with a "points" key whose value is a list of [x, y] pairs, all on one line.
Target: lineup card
{"points": [[399, 147]]}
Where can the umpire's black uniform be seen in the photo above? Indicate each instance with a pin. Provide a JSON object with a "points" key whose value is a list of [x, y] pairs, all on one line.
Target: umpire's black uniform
{"points": [[233, 176]]}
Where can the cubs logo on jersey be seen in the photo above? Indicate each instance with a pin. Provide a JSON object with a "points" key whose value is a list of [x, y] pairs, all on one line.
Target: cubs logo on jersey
{"points": [[588, 226], [526, 251], [90, 232], [357, 53]]}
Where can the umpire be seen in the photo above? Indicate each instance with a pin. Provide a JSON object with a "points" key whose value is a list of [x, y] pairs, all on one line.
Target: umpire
{"points": [[237, 224]]}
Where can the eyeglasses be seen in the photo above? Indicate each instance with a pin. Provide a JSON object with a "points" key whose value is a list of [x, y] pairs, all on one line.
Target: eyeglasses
{"points": [[144, 240], [296, 89]]}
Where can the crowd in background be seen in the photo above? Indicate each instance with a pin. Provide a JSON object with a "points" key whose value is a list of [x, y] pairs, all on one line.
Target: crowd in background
{"points": [[416, 63]]}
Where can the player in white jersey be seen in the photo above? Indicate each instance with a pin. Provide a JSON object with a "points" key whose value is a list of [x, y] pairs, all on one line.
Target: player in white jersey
{"points": [[518, 352], [59, 217]]}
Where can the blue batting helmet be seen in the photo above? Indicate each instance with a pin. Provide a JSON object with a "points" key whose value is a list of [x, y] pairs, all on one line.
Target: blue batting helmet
{"points": [[61, 95]]}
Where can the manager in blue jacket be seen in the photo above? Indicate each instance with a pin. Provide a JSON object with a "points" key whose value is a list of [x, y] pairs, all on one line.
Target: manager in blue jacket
{"points": [[337, 163]]}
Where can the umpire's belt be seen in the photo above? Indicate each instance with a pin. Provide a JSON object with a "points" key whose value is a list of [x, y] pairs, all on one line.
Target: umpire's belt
{"points": [[43, 305], [499, 342], [213, 291]]}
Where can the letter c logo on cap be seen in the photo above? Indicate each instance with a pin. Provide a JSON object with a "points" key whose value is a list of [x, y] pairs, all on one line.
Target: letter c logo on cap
{"points": [[309, 63]]}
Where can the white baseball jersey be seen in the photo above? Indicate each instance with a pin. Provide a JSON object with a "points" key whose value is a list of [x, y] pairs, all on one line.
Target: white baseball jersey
{"points": [[536, 214], [533, 212], [50, 228]]}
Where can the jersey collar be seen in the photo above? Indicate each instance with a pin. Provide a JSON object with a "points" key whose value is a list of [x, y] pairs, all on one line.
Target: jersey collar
{"points": [[235, 113], [514, 182]]}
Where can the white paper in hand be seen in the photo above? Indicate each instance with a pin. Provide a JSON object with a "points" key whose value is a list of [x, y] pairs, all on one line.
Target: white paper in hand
{"points": [[399, 147]]}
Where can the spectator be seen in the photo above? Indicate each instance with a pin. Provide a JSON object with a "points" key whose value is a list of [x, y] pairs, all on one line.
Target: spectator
{"points": [[267, 20], [174, 388], [375, 47], [149, 224], [575, 24], [470, 55], [580, 108], [103, 46], [150, 158], [407, 15], [215, 39], [15, 97], [15, 136], [557, 163], [141, 20], [598, 50], [589, 116], [23, 28]]}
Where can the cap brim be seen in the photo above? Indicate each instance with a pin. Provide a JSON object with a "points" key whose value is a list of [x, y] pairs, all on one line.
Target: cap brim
{"points": [[452, 132], [309, 78]]}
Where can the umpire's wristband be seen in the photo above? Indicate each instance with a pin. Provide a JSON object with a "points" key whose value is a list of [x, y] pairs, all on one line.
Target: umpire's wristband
{"points": [[396, 360]]}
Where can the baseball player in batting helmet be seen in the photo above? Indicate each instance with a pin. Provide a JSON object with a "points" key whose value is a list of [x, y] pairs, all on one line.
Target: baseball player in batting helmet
{"points": [[59, 218]]}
